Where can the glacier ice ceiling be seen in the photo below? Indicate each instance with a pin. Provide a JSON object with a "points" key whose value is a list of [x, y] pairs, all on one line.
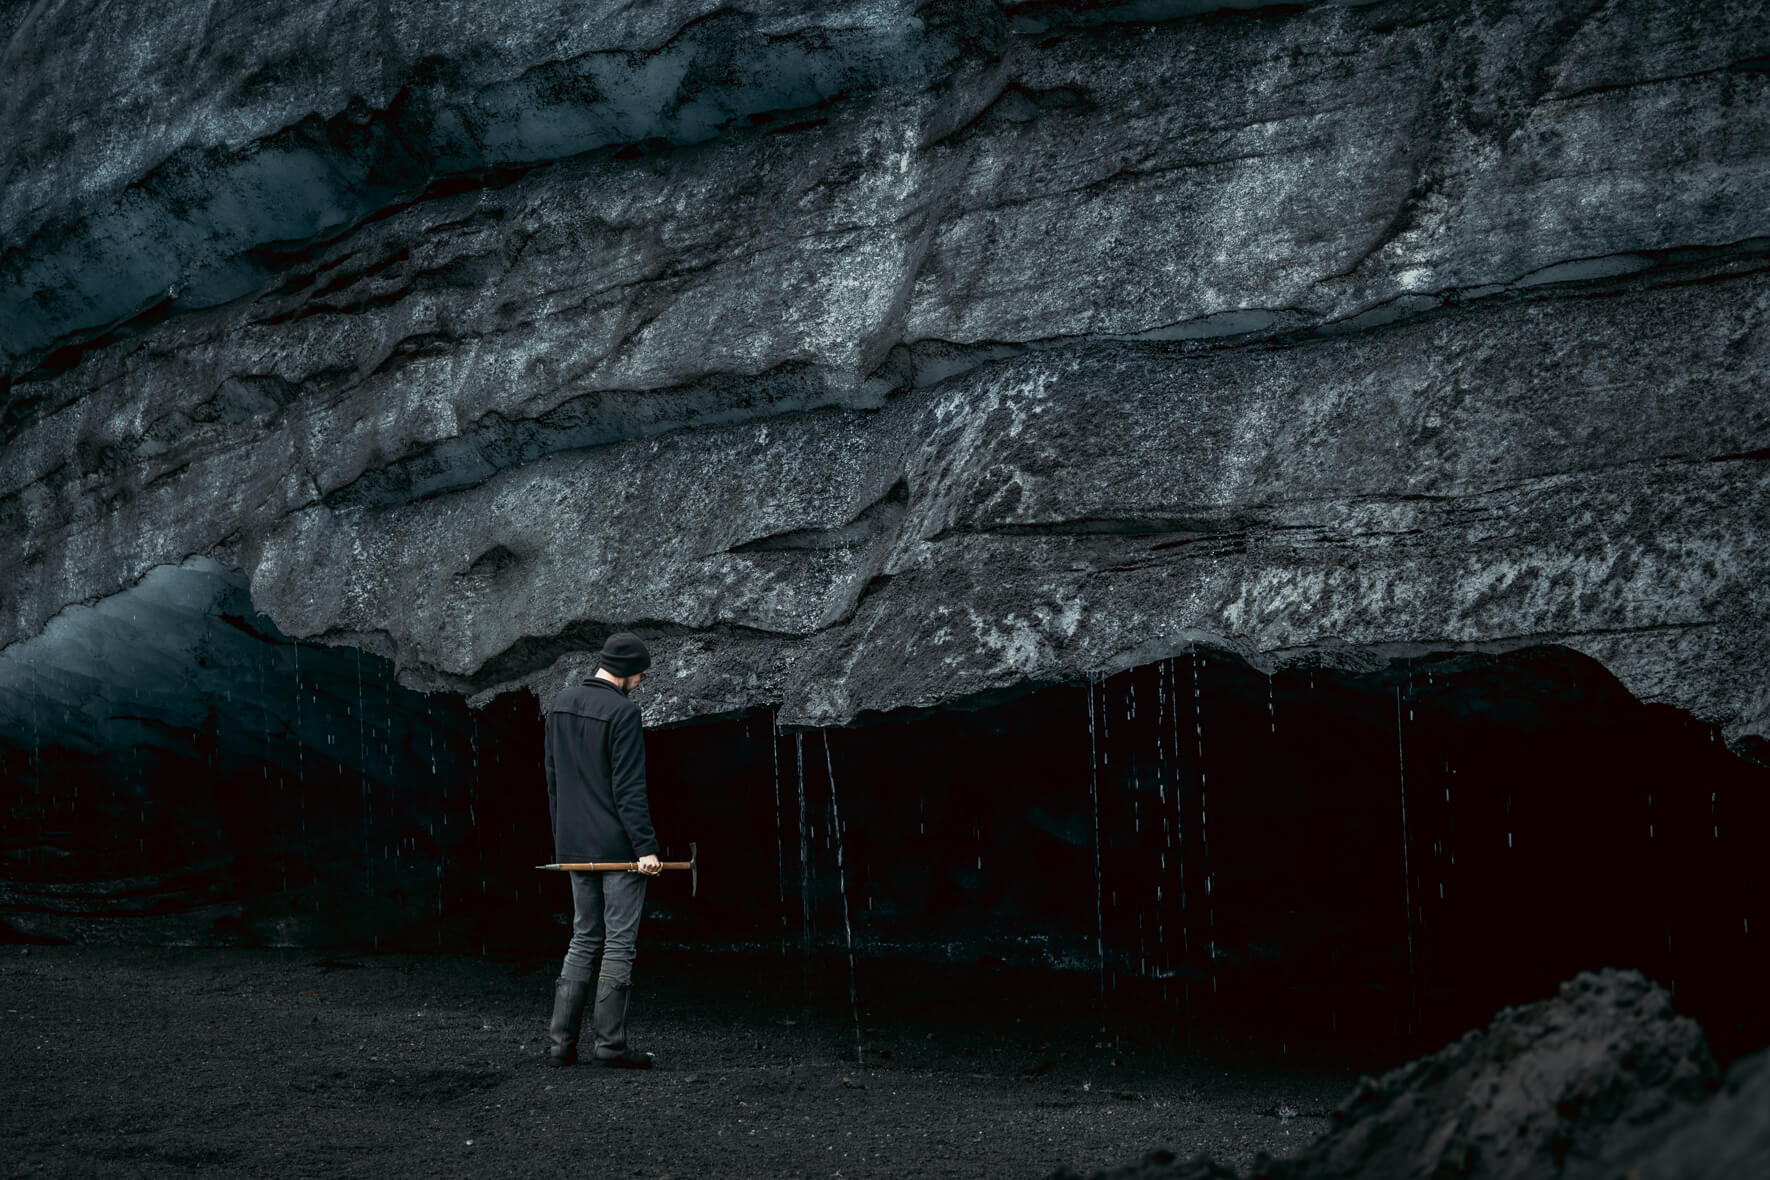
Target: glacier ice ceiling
{"points": [[1384, 383]]}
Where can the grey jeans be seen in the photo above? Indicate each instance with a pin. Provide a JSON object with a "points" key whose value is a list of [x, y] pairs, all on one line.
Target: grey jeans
{"points": [[605, 925]]}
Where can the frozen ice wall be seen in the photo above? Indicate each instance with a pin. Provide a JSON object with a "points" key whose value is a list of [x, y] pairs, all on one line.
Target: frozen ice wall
{"points": [[177, 770]]}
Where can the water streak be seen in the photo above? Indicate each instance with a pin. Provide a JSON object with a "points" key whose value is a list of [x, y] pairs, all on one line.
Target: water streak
{"points": [[1204, 829], [1406, 883], [780, 839], [1094, 791], [362, 763], [842, 888], [804, 843], [300, 745], [1179, 817]]}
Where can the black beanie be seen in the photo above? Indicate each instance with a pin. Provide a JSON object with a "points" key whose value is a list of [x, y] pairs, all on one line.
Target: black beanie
{"points": [[624, 654]]}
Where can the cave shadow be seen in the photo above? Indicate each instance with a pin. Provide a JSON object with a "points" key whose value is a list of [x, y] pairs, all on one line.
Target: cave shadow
{"points": [[1315, 857]]}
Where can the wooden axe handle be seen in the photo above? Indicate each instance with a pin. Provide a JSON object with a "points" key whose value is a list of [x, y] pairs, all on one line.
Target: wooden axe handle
{"points": [[614, 866]]}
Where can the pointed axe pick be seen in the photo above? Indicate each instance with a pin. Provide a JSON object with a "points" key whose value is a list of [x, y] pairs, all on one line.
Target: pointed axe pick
{"points": [[694, 872]]}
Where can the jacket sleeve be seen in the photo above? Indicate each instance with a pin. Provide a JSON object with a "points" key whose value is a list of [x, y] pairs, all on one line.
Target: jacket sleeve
{"points": [[626, 765], [552, 782]]}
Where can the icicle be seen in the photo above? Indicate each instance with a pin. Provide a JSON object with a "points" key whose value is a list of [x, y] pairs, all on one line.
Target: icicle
{"points": [[473, 782], [1161, 716]]}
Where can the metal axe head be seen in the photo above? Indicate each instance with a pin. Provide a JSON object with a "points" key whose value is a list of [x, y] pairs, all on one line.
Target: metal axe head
{"points": [[694, 872]]}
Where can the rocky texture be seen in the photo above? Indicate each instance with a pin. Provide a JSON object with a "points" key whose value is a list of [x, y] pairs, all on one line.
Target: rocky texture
{"points": [[1557, 1086], [1603, 1080], [870, 357], [1729, 1136]]}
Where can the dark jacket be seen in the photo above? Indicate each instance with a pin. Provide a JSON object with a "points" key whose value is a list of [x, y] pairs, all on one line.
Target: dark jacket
{"points": [[596, 776]]}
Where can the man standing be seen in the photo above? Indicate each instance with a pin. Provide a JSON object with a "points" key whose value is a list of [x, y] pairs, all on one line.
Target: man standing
{"points": [[596, 796]]}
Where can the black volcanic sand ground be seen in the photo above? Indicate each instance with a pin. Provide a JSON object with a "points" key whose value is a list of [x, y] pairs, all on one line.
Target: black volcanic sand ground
{"points": [[166, 1062]]}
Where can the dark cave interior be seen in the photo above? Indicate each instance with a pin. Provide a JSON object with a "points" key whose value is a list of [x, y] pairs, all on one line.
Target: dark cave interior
{"points": [[1382, 856]]}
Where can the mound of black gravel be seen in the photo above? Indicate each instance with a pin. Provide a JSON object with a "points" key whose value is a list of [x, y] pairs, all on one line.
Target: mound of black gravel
{"points": [[1605, 1079]]}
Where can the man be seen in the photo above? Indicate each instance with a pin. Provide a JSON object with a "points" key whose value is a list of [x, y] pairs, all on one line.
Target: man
{"points": [[596, 796]]}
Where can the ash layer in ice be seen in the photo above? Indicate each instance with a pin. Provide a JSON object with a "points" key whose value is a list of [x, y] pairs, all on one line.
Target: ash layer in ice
{"points": [[1603, 1080], [877, 357]]}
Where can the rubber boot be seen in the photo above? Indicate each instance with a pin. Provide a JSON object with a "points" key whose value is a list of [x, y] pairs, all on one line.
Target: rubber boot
{"points": [[609, 1021], [569, 999]]}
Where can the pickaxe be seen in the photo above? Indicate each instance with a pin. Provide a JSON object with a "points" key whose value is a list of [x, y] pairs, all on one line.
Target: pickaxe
{"points": [[632, 866]]}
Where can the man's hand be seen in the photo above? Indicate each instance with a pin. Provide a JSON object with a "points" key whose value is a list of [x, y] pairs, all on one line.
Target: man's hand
{"points": [[650, 865]]}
